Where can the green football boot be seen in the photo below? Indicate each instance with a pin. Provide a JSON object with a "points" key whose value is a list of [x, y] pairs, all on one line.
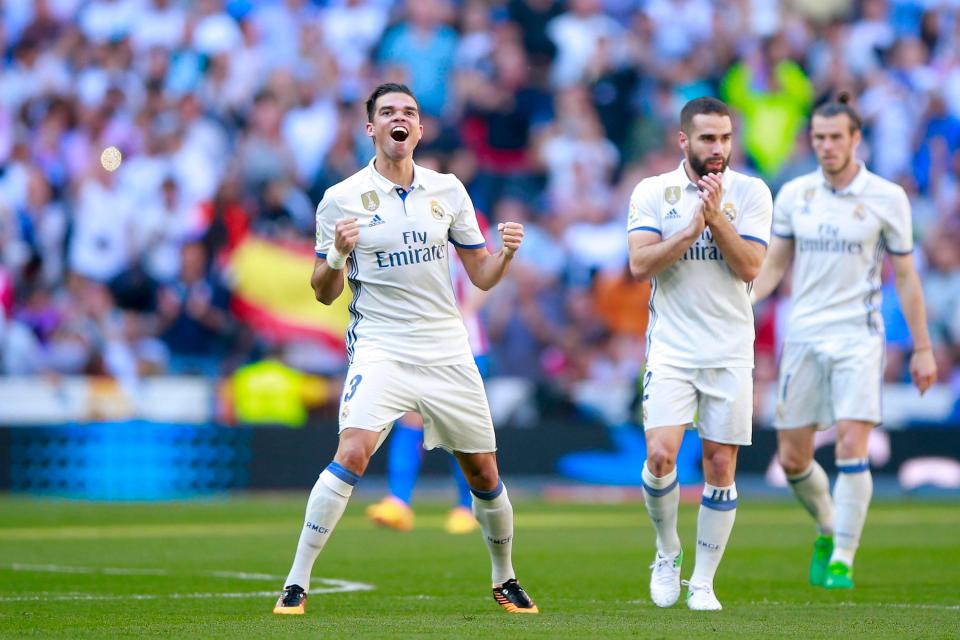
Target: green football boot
{"points": [[839, 576], [822, 548]]}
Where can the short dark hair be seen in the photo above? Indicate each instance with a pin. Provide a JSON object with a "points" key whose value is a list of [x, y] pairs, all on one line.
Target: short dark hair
{"points": [[840, 105], [384, 89], [700, 106]]}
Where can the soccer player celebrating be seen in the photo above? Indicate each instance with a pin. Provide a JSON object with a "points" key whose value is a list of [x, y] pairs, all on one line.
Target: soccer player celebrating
{"points": [[700, 233], [389, 225], [835, 223]]}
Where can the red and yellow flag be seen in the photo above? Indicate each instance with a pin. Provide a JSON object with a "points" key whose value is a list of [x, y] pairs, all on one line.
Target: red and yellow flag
{"points": [[271, 291]]}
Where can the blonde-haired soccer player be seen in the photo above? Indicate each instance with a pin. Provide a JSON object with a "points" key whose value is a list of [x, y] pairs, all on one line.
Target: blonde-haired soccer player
{"points": [[700, 233], [387, 227], [835, 224]]}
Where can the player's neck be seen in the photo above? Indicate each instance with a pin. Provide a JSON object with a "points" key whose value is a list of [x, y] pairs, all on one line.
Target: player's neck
{"points": [[691, 174], [842, 179], [396, 171]]}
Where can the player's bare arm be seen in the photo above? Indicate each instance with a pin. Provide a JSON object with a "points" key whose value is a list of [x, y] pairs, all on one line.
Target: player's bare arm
{"points": [[923, 367], [327, 277], [744, 257], [779, 255], [650, 253], [485, 269]]}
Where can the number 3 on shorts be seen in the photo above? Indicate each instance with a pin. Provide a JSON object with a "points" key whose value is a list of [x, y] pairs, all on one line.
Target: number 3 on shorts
{"points": [[353, 387]]}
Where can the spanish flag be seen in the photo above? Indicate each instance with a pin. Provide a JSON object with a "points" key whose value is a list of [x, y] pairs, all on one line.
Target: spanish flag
{"points": [[271, 292]]}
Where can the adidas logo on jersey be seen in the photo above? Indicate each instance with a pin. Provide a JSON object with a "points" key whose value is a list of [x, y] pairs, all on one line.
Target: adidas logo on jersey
{"points": [[672, 214], [376, 220]]}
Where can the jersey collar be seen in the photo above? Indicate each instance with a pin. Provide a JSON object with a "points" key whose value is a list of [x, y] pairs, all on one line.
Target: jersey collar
{"points": [[855, 187], [388, 186]]}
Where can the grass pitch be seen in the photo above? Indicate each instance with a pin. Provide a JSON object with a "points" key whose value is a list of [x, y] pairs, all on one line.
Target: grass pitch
{"points": [[212, 570]]}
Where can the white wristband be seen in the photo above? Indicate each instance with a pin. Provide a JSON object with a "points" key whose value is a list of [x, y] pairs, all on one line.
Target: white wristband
{"points": [[335, 259]]}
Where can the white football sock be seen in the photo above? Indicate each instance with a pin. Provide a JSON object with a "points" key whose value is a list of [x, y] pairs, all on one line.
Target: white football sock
{"points": [[718, 510], [851, 495], [662, 498], [812, 489], [326, 504], [495, 515]]}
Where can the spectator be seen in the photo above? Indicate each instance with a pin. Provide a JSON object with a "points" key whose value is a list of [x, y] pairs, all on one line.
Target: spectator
{"points": [[423, 45], [193, 319]]}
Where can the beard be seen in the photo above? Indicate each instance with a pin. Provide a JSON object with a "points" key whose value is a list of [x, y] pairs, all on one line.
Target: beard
{"points": [[699, 165], [843, 166]]}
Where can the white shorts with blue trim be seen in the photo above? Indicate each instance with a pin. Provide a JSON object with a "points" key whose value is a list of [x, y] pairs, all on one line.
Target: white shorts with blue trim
{"points": [[718, 400], [451, 399], [829, 380]]}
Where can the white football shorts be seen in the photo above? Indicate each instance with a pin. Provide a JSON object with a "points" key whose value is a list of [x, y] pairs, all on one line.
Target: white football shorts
{"points": [[451, 399], [718, 400], [829, 380]]}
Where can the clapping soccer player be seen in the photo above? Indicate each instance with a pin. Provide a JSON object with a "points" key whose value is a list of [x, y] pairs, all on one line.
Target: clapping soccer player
{"points": [[700, 234], [388, 228], [835, 224]]}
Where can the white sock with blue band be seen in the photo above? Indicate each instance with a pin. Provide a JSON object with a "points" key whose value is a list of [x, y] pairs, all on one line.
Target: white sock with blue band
{"points": [[812, 488], [325, 506], [718, 510], [495, 515], [851, 499], [662, 499]]}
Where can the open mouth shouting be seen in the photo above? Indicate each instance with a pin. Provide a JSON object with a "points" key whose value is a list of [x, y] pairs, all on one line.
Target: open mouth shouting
{"points": [[399, 133]]}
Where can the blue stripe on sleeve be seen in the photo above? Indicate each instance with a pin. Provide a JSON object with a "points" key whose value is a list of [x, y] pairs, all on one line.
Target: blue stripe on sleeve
{"points": [[753, 239], [653, 229], [788, 236], [467, 246], [899, 253], [321, 255]]}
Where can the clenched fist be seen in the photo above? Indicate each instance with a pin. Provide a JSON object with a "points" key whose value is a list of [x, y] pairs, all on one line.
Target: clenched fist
{"points": [[511, 235], [347, 233]]}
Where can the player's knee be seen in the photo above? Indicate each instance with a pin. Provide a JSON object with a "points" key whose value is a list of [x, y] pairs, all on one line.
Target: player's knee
{"points": [[483, 479], [720, 463], [852, 440], [661, 460], [792, 462], [353, 458], [847, 447]]}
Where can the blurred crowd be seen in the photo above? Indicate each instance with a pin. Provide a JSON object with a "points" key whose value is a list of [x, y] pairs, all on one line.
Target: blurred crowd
{"points": [[234, 116]]}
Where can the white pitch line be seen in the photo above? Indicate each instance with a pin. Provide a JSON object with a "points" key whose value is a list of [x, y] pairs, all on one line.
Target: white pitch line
{"points": [[132, 571], [825, 605], [852, 605], [60, 597], [329, 585], [110, 571]]}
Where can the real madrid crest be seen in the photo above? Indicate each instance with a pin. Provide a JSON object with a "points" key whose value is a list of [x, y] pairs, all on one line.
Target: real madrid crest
{"points": [[672, 195], [370, 200], [436, 210], [730, 211], [344, 413], [859, 211], [808, 194]]}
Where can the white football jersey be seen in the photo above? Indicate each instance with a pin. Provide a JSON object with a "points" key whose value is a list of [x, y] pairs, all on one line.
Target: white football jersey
{"points": [[403, 305], [700, 313], [839, 239]]}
